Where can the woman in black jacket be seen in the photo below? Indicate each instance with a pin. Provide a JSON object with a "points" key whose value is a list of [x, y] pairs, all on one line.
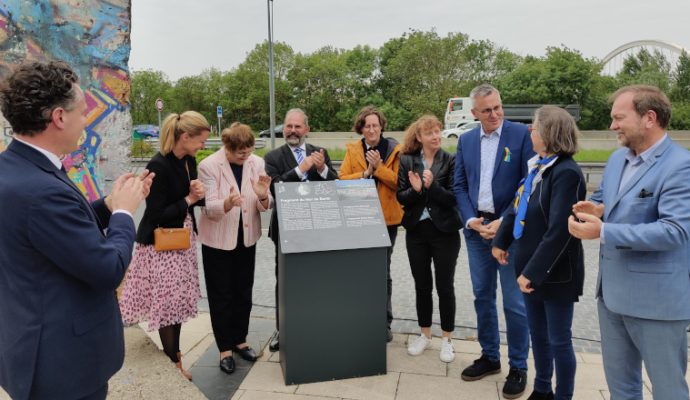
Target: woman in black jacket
{"points": [[163, 286], [549, 262], [432, 222]]}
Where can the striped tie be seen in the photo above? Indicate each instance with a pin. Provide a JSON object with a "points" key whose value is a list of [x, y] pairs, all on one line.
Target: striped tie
{"points": [[299, 155]]}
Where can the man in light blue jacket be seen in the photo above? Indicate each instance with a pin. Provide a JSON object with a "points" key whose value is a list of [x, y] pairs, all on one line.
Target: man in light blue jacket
{"points": [[641, 214]]}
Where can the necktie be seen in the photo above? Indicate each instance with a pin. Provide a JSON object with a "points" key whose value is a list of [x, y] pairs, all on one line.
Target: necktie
{"points": [[299, 155], [522, 196]]}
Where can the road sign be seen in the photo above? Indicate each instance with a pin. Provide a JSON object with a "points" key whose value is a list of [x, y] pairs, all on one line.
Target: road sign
{"points": [[219, 111], [159, 104]]}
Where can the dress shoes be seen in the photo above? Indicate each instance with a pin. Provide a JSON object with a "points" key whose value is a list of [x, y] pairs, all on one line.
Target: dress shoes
{"points": [[245, 352], [227, 365], [274, 344]]}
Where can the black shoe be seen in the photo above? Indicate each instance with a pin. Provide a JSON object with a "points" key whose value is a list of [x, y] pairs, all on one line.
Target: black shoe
{"points": [[481, 367], [273, 344], [390, 336], [540, 396], [245, 352], [227, 365], [515, 383]]}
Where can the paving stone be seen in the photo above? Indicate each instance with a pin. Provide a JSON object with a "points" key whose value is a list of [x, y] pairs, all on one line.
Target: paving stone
{"points": [[381, 387], [266, 377], [279, 396], [427, 363], [415, 387]]}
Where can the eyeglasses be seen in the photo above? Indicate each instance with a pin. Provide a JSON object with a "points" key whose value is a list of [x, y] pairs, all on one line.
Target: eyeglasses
{"points": [[371, 127], [531, 128], [488, 111]]}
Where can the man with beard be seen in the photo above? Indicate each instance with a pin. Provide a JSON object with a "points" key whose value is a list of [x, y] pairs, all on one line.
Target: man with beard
{"points": [[295, 161], [641, 217]]}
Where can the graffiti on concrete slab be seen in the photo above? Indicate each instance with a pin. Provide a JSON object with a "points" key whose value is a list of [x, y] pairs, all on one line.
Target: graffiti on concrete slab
{"points": [[94, 37]]}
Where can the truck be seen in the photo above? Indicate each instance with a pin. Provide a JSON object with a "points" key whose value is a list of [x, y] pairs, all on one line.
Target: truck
{"points": [[458, 111]]}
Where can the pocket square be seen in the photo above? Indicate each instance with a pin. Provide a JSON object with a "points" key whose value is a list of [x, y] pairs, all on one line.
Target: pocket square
{"points": [[644, 194]]}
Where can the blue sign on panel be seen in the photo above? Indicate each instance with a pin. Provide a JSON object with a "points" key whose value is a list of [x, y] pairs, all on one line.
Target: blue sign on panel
{"points": [[219, 111]]}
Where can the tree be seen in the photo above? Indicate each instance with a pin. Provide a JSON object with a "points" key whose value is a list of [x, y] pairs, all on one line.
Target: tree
{"points": [[681, 79], [562, 76], [646, 68], [147, 86], [246, 88], [421, 70]]}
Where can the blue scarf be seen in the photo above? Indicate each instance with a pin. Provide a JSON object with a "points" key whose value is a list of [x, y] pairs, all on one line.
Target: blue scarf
{"points": [[522, 196]]}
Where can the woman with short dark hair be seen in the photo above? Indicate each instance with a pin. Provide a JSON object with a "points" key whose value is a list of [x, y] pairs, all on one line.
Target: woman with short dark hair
{"points": [[377, 157], [229, 227], [549, 262]]}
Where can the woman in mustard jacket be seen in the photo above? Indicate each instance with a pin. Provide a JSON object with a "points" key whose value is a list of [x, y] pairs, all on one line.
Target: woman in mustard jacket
{"points": [[376, 157]]}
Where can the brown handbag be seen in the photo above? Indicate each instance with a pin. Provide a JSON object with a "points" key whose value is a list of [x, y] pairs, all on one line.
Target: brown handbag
{"points": [[165, 239]]}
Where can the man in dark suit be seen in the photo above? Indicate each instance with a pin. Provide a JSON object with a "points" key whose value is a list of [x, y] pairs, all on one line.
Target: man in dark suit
{"points": [[490, 162], [61, 258], [295, 161]]}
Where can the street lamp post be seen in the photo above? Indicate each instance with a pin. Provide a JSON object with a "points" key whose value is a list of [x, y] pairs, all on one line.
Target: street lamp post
{"points": [[271, 88]]}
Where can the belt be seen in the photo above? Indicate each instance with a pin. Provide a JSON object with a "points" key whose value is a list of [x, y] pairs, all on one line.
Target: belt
{"points": [[487, 215]]}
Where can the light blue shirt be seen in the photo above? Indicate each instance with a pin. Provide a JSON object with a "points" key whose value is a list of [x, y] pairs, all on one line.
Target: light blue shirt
{"points": [[489, 147], [632, 165]]}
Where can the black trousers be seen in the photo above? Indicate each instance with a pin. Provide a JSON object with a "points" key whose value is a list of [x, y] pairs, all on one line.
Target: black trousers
{"points": [[229, 283], [393, 234], [424, 244]]}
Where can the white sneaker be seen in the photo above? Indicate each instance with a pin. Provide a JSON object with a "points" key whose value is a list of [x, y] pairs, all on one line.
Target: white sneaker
{"points": [[447, 351], [418, 345]]}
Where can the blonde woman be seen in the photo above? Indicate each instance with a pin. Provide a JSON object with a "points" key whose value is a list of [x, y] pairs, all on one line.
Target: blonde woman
{"points": [[432, 223], [163, 287], [237, 192]]}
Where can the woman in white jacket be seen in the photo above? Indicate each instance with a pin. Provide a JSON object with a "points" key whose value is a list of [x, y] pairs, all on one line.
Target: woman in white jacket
{"points": [[230, 225]]}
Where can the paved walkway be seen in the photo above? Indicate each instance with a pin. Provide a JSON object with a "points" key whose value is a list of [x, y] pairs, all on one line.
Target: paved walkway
{"points": [[147, 374]]}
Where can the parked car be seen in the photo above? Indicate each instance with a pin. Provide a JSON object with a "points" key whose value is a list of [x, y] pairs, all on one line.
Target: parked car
{"points": [[463, 128], [267, 132], [145, 131]]}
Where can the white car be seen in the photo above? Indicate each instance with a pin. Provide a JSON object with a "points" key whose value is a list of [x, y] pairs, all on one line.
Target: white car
{"points": [[462, 127]]}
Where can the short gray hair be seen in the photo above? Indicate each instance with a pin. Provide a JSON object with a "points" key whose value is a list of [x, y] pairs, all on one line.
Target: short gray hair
{"points": [[299, 111], [557, 129], [483, 90]]}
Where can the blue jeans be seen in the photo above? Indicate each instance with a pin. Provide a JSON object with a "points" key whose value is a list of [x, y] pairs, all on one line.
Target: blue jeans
{"points": [[483, 271], [550, 325], [627, 341]]}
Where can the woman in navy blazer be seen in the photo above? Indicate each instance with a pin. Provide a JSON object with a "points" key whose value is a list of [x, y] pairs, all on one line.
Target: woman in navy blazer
{"points": [[549, 262], [432, 223]]}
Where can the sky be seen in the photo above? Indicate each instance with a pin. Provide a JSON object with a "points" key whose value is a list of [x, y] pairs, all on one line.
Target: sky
{"points": [[183, 38]]}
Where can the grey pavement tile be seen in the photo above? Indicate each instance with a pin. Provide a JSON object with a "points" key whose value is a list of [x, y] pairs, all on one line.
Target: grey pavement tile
{"points": [[415, 387], [381, 387], [266, 377]]}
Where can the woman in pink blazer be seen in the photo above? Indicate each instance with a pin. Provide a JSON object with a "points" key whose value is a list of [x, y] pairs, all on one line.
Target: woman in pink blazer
{"points": [[230, 225]]}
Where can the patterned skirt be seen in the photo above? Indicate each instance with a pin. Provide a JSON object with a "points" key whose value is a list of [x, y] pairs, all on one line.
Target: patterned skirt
{"points": [[161, 287]]}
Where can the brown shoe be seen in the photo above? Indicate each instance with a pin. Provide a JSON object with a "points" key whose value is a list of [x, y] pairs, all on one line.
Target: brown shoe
{"points": [[183, 371]]}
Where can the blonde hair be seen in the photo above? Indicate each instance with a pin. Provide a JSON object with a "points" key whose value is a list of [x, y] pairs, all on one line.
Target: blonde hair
{"points": [[175, 125], [412, 145], [237, 136]]}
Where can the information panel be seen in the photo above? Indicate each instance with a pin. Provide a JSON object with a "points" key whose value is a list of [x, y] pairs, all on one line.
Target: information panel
{"points": [[329, 215]]}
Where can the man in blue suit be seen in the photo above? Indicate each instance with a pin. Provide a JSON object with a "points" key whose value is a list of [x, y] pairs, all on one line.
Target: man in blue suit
{"points": [[641, 214], [61, 258], [490, 162]]}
